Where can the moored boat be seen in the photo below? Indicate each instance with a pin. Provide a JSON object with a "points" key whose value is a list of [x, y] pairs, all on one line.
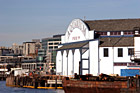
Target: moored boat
{"points": [[101, 84]]}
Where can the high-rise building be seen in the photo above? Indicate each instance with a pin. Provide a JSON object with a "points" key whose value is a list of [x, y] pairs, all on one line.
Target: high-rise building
{"points": [[31, 48], [50, 45], [17, 49]]}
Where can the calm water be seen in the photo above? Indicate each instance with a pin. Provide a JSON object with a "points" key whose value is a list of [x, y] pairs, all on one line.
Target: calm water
{"points": [[4, 89]]}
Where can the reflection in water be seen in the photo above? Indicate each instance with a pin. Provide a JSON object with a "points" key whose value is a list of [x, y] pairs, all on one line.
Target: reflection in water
{"points": [[4, 89]]}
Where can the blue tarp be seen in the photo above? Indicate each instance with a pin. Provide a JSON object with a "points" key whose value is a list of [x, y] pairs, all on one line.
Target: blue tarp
{"points": [[130, 72]]}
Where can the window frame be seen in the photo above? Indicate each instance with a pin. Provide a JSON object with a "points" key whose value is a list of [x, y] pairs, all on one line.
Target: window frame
{"points": [[120, 52], [106, 52], [115, 33], [130, 51]]}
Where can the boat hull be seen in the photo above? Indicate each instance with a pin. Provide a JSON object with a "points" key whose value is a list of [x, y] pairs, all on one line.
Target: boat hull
{"points": [[80, 86]]}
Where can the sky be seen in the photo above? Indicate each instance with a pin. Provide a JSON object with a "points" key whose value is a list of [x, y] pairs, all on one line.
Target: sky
{"points": [[24, 20]]}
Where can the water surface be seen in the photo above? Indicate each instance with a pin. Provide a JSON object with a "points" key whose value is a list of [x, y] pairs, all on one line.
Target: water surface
{"points": [[5, 89]]}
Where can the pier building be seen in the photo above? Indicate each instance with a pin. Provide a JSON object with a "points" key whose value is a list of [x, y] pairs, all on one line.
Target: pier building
{"points": [[99, 46]]}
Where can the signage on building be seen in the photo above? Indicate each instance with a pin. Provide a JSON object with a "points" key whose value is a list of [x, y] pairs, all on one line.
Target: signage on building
{"points": [[77, 31]]}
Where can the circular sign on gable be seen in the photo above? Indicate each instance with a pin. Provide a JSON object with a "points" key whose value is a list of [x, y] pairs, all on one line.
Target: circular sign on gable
{"points": [[77, 31]]}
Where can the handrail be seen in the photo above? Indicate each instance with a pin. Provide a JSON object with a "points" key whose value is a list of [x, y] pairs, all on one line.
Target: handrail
{"points": [[135, 56]]}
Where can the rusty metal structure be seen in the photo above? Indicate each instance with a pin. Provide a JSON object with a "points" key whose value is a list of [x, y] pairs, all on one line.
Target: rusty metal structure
{"points": [[101, 84]]}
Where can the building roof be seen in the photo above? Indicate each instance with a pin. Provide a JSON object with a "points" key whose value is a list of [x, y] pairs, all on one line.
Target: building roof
{"points": [[29, 42], [73, 45], [113, 24], [116, 41], [54, 37]]}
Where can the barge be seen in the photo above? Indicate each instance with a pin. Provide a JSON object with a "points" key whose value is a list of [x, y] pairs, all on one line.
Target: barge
{"points": [[101, 84]]}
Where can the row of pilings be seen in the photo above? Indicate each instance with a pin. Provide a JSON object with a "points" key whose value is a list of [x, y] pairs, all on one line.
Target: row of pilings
{"points": [[35, 81], [3, 77]]}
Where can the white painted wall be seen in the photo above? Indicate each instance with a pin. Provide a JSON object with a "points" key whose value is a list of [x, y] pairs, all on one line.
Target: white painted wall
{"points": [[70, 63], [122, 33], [125, 58], [59, 63], [117, 69], [93, 48], [106, 63], [76, 35], [91, 34], [103, 65], [76, 61], [65, 63], [108, 33], [137, 43], [79, 27]]}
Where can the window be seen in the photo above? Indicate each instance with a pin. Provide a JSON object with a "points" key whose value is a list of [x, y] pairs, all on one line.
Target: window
{"points": [[130, 51], [120, 52], [115, 33], [102, 33], [105, 52], [55, 47], [51, 47], [128, 32], [56, 43], [50, 43]]}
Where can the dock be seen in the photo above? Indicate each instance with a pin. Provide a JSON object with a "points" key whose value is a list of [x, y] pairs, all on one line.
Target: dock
{"points": [[3, 77], [35, 81]]}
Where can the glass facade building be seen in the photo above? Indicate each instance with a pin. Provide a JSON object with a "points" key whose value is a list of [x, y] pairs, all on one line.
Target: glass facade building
{"points": [[50, 45]]}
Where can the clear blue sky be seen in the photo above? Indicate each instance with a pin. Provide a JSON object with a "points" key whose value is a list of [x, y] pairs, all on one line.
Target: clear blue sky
{"points": [[24, 20]]}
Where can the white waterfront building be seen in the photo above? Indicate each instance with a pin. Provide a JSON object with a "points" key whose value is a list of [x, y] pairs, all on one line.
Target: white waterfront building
{"points": [[99, 46]]}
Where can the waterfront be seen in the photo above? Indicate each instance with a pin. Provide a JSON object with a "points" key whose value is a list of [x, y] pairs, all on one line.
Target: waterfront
{"points": [[5, 89]]}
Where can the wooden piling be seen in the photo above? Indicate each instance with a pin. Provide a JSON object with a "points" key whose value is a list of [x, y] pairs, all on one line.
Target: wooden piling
{"points": [[42, 82]]}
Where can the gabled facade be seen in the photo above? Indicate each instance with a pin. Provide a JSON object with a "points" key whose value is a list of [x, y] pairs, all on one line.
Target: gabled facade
{"points": [[98, 46]]}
